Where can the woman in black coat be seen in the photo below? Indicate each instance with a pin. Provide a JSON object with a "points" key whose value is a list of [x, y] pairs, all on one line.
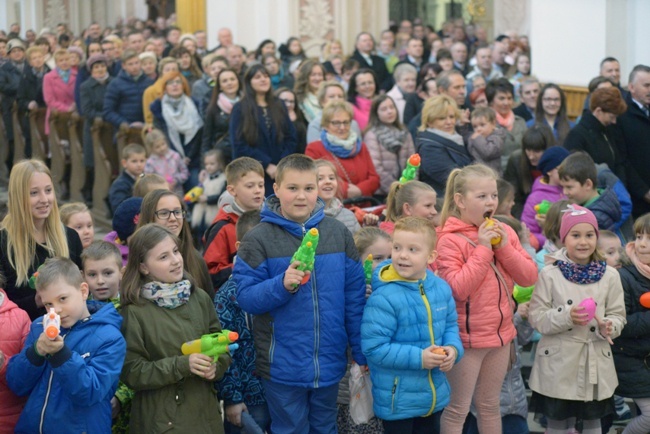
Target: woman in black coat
{"points": [[217, 117]]}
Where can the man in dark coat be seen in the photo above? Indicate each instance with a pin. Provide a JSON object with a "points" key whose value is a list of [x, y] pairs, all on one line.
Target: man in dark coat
{"points": [[10, 73], [363, 54]]}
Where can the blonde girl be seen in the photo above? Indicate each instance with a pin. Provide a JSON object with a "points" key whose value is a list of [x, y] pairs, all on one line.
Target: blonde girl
{"points": [[77, 216], [32, 232], [327, 190], [413, 198], [480, 260], [162, 309]]}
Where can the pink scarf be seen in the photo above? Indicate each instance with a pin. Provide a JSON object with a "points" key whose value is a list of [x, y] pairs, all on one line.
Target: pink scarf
{"points": [[643, 269], [224, 103], [506, 122], [362, 111]]}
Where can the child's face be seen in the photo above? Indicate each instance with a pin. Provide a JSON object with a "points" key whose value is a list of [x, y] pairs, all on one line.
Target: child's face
{"points": [[327, 183], [424, 206], [172, 204], [611, 249], [554, 177], [642, 247], [211, 164], [82, 222], [505, 205], [411, 254], [160, 148], [149, 67], [380, 250], [163, 263], [580, 243], [103, 277], [134, 164], [41, 196], [479, 201], [576, 192], [298, 193], [248, 191], [68, 302], [482, 126]]}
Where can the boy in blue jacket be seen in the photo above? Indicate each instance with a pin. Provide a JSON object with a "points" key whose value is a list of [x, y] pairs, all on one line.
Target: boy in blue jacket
{"points": [[301, 331], [70, 383], [409, 333]]}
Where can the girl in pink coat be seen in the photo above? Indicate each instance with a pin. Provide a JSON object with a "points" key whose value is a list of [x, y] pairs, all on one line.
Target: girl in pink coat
{"points": [[481, 259], [58, 87]]}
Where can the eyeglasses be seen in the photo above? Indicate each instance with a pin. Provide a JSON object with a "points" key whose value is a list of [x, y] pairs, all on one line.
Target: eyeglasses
{"points": [[339, 124], [165, 214], [179, 82], [553, 100]]}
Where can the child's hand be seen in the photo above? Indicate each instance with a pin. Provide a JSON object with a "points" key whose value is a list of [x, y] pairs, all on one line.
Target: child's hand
{"points": [[233, 413], [475, 135], [202, 175], [368, 290], [115, 407], [579, 315], [464, 117], [485, 234], [203, 198], [522, 310], [293, 276], [270, 170], [202, 366], [45, 345], [498, 228], [370, 219], [540, 219], [450, 358], [605, 329], [432, 360], [524, 235]]}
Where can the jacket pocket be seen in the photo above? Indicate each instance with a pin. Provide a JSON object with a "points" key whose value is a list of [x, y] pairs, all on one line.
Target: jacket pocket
{"points": [[272, 346], [607, 352], [394, 395], [549, 351]]}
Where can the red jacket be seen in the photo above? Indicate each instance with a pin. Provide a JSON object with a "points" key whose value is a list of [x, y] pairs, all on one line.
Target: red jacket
{"points": [[14, 327], [484, 307], [360, 169], [220, 252]]}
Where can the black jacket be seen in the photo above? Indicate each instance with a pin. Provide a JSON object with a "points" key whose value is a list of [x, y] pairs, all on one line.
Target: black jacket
{"points": [[31, 88], [439, 157], [522, 111], [384, 79], [215, 132], [92, 105]]}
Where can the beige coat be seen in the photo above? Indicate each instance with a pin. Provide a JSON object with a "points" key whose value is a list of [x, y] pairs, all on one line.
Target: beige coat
{"points": [[574, 362]]}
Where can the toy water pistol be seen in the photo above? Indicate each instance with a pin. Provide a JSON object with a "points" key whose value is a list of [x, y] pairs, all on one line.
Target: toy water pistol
{"points": [[367, 269], [212, 345], [52, 324], [306, 254], [543, 207], [194, 194], [491, 222], [411, 169], [522, 294]]}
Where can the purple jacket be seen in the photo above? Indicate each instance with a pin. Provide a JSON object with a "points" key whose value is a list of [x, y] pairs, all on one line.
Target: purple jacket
{"points": [[539, 192], [111, 237]]}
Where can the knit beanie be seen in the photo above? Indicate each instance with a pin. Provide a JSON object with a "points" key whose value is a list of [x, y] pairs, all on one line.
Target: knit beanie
{"points": [[126, 217], [95, 58], [552, 157], [576, 214]]}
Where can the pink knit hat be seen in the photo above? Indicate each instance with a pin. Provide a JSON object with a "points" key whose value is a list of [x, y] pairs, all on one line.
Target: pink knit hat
{"points": [[573, 215]]}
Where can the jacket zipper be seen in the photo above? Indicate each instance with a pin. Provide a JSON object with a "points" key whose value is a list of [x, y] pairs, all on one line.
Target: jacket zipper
{"points": [[272, 347], [500, 311], [469, 336], [392, 402], [314, 293], [47, 398], [433, 342]]}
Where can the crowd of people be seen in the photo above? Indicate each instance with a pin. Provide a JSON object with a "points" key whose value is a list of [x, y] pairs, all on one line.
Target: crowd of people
{"points": [[416, 279]]}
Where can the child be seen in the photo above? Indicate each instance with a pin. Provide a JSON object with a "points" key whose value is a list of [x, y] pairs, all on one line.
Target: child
{"points": [[410, 314], [546, 187], [14, 323], [245, 178], [70, 383], [149, 182], [77, 216], [480, 259], [506, 193], [485, 145], [631, 348], [162, 310], [213, 180], [327, 187], [300, 370], [551, 232], [523, 234], [125, 221], [413, 198], [165, 162], [611, 249], [133, 161], [241, 389], [573, 375]]}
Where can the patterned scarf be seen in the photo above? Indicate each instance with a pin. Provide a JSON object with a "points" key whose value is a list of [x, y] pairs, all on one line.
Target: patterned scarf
{"points": [[347, 148], [582, 274], [643, 269], [167, 295], [390, 137]]}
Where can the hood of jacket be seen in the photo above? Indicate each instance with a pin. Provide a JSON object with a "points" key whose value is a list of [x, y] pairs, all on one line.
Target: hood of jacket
{"points": [[271, 214], [607, 209]]}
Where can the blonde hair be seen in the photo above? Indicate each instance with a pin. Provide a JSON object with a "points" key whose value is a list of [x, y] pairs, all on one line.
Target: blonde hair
{"points": [[332, 108], [417, 225], [366, 237], [457, 184], [322, 90], [70, 209], [551, 229], [21, 245], [60, 53], [400, 194], [148, 182], [437, 108], [151, 138]]}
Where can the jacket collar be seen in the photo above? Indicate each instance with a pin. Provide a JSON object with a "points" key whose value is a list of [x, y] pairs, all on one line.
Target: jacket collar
{"points": [[271, 214]]}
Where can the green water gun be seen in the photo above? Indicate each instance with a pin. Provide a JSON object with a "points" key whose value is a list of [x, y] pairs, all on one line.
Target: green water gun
{"points": [[522, 294], [213, 344], [543, 207], [367, 269], [306, 254], [411, 169]]}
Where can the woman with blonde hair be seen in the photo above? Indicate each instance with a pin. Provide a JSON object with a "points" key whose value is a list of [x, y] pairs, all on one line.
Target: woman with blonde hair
{"points": [[32, 232]]}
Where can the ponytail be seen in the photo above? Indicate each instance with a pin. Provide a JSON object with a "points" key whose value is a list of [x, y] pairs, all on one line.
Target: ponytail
{"points": [[400, 194], [457, 183]]}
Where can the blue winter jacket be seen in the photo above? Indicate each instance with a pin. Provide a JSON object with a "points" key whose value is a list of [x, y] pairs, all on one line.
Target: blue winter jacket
{"points": [[401, 319], [71, 391], [301, 338], [123, 99]]}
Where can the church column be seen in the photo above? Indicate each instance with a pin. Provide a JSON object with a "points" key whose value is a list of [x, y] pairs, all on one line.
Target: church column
{"points": [[190, 15]]}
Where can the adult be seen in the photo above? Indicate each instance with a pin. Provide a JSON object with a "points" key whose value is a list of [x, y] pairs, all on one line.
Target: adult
{"points": [[165, 208], [265, 47], [440, 147], [338, 144], [388, 141], [58, 87], [10, 73], [172, 37], [522, 72], [260, 127], [202, 89], [405, 78], [156, 90], [483, 67], [499, 53], [224, 36], [414, 102], [459, 56], [135, 41], [187, 64], [178, 116], [500, 95], [310, 75], [236, 59], [225, 95], [551, 110], [635, 128], [32, 232], [279, 76], [289, 98], [30, 91], [364, 46], [292, 54], [610, 68], [329, 91], [362, 89], [414, 54], [528, 93]]}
